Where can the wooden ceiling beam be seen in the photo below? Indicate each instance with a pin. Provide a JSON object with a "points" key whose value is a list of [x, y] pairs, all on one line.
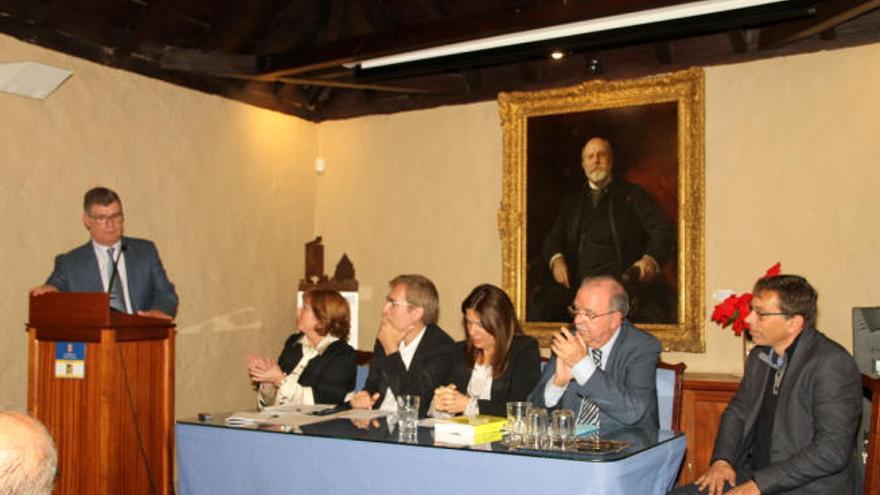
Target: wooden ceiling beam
{"points": [[450, 30], [153, 18], [829, 14]]}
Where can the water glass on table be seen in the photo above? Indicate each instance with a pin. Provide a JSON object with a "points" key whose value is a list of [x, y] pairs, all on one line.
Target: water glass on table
{"points": [[536, 428], [516, 422], [562, 429], [407, 415]]}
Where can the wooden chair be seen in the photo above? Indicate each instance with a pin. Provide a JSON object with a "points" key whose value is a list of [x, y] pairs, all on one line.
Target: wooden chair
{"points": [[664, 395], [872, 466]]}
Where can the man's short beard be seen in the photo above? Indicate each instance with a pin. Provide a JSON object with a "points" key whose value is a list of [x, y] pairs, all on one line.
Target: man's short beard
{"points": [[598, 177]]}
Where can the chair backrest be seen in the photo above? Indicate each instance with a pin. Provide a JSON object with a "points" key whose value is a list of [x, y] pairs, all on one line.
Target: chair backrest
{"points": [[872, 466], [363, 369], [669, 394]]}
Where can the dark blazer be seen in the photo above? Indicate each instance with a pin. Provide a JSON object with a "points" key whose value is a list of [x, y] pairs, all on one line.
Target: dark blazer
{"points": [[625, 391], [331, 374], [148, 285], [429, 369], [640, 226], [814, 425], [520, 377]]}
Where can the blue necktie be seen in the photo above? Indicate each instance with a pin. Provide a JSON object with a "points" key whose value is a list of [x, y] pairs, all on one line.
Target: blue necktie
{"points": [[117, 297]]}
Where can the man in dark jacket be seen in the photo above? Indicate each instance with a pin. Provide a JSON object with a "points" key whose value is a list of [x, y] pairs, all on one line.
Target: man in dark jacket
{"points": [[791, 428], [612, 228]]}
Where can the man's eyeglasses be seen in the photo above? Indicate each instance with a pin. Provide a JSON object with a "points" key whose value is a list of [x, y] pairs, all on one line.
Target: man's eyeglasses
{"points": [[399, 304], [114, 218], [575, 311], [765, 314]]}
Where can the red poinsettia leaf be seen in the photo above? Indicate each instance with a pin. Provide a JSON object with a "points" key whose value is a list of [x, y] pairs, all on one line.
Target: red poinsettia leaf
{"points": [[738, 326], [773, 270]]}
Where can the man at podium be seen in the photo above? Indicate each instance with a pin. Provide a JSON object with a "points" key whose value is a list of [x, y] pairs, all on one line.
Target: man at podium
{"points": [[128, 268]]}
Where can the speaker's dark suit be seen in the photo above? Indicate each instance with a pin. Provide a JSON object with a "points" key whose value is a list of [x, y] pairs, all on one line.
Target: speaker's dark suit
{"points": [[331, 374], [148, 285], [814, 425], [428, 369], [520, 377], [625, 391]]}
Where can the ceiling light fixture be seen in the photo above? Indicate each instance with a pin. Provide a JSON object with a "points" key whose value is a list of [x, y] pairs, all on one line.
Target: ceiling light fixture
{"points": [[557, 54], [631, 19]]}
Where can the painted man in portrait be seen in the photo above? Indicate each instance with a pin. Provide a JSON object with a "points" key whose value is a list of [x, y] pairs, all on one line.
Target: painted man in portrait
{"points": [[611, 227]]}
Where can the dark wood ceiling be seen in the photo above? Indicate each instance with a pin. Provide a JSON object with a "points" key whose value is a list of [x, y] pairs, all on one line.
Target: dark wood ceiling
{"points": [[295, 56]]}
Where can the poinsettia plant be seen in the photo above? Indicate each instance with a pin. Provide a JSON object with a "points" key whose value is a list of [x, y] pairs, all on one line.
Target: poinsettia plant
{"points": [[733, 310]]}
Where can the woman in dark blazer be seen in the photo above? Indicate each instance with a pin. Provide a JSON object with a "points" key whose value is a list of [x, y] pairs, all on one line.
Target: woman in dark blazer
{"points": [[495, 364], [316, 366]]}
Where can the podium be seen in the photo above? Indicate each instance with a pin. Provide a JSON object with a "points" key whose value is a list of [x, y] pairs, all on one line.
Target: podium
{"points": [[113, 426]]}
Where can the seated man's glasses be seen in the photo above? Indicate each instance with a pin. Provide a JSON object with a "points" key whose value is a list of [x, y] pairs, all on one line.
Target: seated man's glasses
{"points": [[575, 311], [399, 304], [766, 314]]}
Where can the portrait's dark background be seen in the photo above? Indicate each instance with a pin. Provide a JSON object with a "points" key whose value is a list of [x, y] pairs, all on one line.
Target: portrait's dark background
{"points": [[644, 140]]}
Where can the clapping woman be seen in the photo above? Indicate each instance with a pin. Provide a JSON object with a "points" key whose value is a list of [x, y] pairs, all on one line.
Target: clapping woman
{"points": [[495, 364], [316, 366]]}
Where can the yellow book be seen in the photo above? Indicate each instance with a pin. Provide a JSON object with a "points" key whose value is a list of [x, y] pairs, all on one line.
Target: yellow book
{"points": [[470, 426], [441, 438]]}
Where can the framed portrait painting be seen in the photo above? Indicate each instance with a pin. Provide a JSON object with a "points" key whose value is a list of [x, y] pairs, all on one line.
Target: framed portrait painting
{"points": [[606, 179]]}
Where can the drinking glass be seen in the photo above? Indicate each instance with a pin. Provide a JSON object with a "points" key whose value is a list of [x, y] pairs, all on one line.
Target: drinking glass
{"points": [[562, 428], [516, 422], [407, 415], [536, 428]]}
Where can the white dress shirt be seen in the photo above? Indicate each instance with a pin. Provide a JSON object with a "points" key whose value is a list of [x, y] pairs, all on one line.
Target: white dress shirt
{"points": [[105, 266]]}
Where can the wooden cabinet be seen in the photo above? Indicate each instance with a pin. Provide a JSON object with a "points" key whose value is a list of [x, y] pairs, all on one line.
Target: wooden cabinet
{"points": [[704, 399]]}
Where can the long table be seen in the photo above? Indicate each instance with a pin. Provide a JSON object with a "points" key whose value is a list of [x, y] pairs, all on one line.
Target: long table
{"points": [[337, 457]]}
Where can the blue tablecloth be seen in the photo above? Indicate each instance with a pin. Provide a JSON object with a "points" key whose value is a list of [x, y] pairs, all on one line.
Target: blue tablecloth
{"points": [[215, 459]]}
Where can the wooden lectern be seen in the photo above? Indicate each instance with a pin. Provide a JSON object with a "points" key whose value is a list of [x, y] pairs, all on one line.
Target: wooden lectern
{"points": [[114, 426]]}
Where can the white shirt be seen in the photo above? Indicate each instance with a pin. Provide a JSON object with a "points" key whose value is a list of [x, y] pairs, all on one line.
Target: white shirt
{"points": [[479, 387], [105, 266], [406, 351], [290, 391], [582, 371]]}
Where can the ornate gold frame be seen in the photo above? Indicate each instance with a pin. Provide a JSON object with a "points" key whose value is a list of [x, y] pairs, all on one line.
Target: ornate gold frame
{"points": [[684, 87]]}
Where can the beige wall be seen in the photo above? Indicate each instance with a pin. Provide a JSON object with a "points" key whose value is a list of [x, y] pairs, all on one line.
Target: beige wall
{"points": [[791, 176], [416, 191], [226, 191]]}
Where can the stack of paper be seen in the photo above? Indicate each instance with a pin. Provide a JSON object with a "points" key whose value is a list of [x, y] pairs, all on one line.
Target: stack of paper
{"points": [[469, 430]]}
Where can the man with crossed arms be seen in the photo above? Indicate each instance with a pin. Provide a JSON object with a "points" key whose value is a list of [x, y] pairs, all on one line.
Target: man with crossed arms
{"points": [[621, 388]]}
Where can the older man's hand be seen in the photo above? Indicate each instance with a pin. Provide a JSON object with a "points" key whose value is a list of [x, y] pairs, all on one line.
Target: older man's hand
{"points": [[568, 347]]}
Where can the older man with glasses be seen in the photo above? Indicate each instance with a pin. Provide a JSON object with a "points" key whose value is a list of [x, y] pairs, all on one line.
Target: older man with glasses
{"points": [[606, 369], [126, 267]]}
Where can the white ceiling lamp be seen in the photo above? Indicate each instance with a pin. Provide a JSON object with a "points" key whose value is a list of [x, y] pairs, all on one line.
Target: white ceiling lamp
{"points": [[31, 79], [632, 19]]}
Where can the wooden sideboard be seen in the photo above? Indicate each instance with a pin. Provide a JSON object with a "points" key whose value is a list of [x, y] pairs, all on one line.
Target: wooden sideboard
{"points": [[704, 399]]}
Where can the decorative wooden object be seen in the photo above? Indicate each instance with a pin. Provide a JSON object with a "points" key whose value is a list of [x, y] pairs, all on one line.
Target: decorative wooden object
{"points": [[705, 398], [343, 277], [872, 466], [114, 427]]}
